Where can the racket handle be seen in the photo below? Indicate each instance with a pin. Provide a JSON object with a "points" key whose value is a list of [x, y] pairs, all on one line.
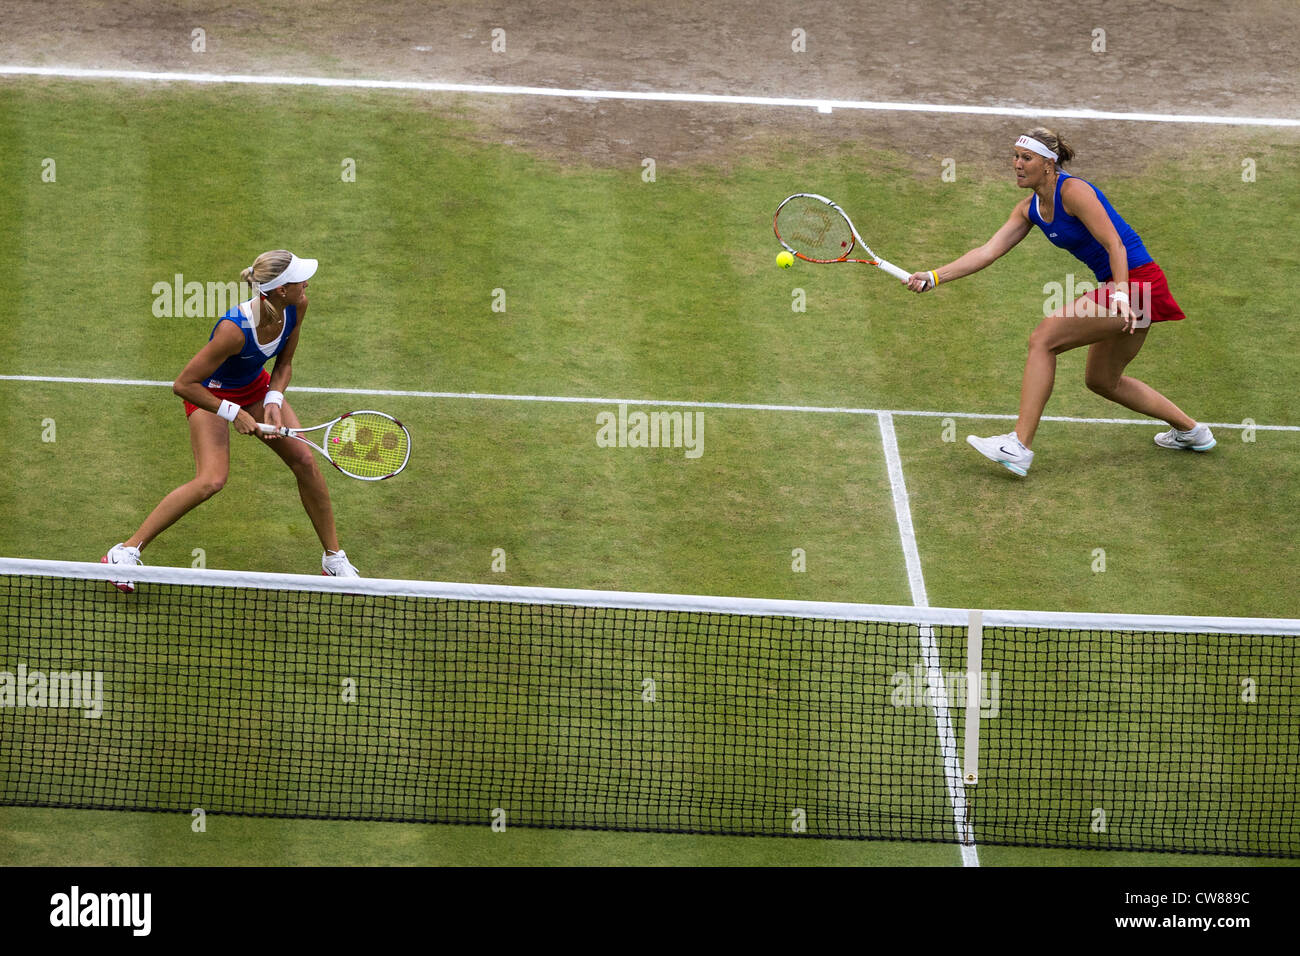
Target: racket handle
{"points": [[893, 270], [272, 430]]}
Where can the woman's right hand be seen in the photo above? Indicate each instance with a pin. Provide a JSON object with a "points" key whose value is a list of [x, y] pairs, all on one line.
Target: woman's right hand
{"points": [[245, 423], [919, 281]]}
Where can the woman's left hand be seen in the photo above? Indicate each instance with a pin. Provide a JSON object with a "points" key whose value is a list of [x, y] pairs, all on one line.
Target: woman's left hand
{"points": [[272, 416], [1119, 305]]}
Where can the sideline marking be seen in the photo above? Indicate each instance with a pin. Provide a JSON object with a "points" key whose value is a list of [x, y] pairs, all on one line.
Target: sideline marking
{"points": [[655, 403], [929, 645], [820, 105]]}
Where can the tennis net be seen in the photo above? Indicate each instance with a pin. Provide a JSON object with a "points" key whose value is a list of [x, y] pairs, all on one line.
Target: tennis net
{"points": [[299, 696]]}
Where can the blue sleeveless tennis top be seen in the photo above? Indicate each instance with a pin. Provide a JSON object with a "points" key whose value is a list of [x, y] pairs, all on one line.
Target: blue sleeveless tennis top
{"points": [[1073, 236], [242, 369]]}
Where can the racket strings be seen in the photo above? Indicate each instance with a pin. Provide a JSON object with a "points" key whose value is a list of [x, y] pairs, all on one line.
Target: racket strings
{"points": [[814, 229], [367, 445]]}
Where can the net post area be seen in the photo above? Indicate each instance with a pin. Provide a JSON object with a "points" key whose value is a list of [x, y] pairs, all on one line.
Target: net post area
{"points": [[301, 696]]}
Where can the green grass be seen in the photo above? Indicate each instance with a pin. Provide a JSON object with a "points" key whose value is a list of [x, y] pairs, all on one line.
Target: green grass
{"points": [[101, 838], [618, 288], [1177, 530]]}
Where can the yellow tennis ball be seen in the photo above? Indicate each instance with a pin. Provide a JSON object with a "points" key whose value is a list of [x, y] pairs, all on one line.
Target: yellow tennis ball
{"points": [[784, 259]]}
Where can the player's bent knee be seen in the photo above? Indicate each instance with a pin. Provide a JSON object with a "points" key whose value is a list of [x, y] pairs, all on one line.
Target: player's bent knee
{"points": [[1041, 337], [209, 486], [1104, 387], [303, 462]]}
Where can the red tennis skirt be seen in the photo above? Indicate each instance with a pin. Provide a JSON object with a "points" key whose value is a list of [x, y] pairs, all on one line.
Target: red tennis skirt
{"points": [[1149, 295], [246, 395]]}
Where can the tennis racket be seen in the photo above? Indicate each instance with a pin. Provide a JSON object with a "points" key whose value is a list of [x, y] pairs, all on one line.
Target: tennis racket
{"points": [[368, 445], [817, 230]]}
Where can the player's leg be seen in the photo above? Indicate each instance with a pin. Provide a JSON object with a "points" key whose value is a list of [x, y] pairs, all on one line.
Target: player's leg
{"points": [[210, 441], [312, 489], [1104, 375], [1082, 322]]}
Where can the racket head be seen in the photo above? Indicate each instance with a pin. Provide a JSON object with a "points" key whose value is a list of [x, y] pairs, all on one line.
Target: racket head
{"points": [[368, 445], [816, 229]]}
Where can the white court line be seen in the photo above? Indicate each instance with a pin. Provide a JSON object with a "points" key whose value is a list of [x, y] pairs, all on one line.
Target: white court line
{"points": [[903, 510], [821, 105], [929, 646], [653, 403]]}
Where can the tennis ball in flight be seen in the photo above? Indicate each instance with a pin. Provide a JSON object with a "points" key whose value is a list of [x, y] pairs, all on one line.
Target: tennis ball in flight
{"points": [[784, 259]]}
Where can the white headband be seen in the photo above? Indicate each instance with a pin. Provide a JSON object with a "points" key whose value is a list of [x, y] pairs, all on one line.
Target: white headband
{"points": [[1028, 142]]}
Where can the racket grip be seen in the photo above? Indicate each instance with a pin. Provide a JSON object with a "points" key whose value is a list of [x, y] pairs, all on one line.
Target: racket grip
{"points": [[271, 429], [893, 270]]}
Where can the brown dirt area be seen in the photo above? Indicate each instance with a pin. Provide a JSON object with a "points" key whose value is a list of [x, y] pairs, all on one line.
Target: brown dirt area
{"points": [[1188, 56]]}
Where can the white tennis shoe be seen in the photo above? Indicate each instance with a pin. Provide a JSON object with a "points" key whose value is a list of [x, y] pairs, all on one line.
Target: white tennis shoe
{"points": [[1199, 438], [1007, 450], [121, 554], [336, 564]]}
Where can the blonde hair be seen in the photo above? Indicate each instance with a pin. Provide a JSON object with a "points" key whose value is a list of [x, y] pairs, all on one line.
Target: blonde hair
{"points": [[1053, 142], [265, 268]]}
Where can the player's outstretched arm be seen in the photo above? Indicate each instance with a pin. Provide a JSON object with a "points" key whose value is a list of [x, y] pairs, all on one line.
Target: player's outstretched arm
{"points": [[1003, 241]]}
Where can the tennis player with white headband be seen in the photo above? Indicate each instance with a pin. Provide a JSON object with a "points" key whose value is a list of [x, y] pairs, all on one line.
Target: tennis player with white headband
{"points": [[224, 384], [1112, 320]]}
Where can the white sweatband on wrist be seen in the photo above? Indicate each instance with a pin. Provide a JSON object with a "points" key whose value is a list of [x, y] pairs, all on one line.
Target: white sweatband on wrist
{"points": [[273, 398], [1119, 295], [228, 410]]}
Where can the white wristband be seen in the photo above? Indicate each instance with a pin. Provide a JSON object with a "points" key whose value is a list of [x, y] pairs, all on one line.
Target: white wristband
{"points": [[228, 410], [1119, 295], [273, 398]]}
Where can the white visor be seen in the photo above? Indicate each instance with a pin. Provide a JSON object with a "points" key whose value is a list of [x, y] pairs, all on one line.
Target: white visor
{"points": [[1033, 145], [298, 270]]}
